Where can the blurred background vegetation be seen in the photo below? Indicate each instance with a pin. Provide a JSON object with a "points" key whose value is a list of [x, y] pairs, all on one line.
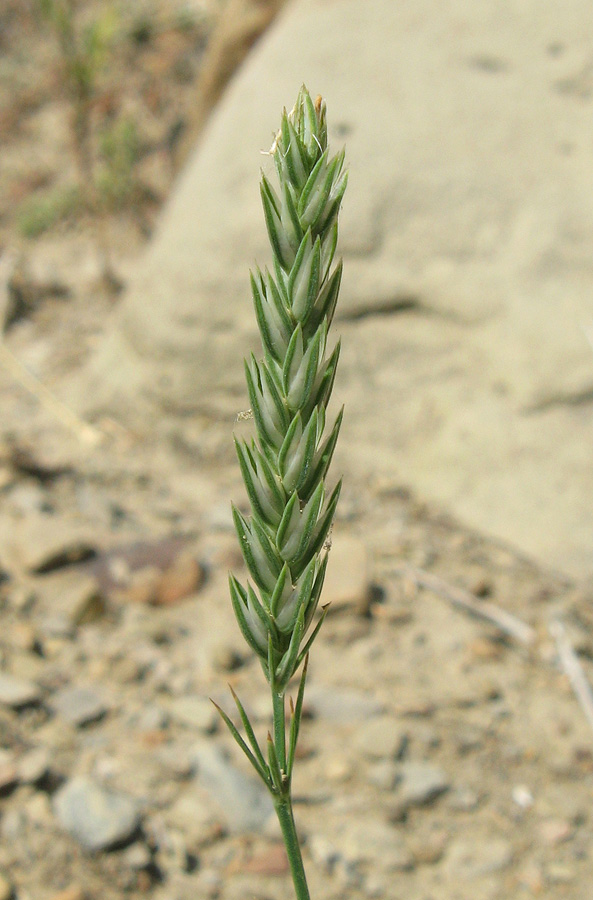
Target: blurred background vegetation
{"points": [[101, 100]]}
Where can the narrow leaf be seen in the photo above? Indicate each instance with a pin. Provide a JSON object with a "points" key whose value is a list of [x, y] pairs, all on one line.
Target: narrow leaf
{"points": [[312, 636], [249, 730], [324, 523], [295, 722], [262, 771]]}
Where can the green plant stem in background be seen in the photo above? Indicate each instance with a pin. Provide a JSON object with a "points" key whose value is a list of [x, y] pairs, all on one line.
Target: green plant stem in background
{"points": [[284, 467]]}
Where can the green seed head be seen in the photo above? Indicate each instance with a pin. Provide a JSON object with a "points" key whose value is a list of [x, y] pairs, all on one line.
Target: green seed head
{"points": [[285, 466]]}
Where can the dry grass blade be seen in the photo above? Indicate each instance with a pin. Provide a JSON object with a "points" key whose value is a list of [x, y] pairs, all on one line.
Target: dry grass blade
{"points": [[573, 669], [482, 609]]}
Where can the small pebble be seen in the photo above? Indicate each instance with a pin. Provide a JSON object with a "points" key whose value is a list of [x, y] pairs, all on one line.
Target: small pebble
{"points": [[469, 859], [97, 818], [554, 831], [195, 712], [8, 772], [17, 692], [421, 783], [74, 892], [78, 705], [136, 857], [242, 799], [381, 737]]}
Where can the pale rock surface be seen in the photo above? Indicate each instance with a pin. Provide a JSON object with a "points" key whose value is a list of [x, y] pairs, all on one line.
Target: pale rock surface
{"points": [[17, 692], [466, 230], [97, 818]]}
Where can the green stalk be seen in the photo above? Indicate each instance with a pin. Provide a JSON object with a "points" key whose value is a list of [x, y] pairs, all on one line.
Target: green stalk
{"points": [[284, 465], [293, 849], [283, 801], [278, 706]]}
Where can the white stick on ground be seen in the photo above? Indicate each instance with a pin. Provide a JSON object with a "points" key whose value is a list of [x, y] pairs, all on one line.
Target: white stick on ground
{"points": [[573, 669], [482, 609], [86, 433]]}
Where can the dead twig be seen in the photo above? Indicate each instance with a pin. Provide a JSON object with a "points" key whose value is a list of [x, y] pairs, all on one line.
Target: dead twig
{"points": [[86, 433], [482, 609], [573, 669]]}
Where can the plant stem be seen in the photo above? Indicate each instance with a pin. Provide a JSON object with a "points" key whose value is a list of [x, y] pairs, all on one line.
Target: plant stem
{"points": [[283, 800], [283, 806], [279, 727]]}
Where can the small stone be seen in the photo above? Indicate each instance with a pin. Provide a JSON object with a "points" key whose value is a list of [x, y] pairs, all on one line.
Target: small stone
{"points": [[183, 578], [429, 851], [365, 840], [34, 765], [176, 761], [38, 809], [13, 825], [271, 861], [485, 649], [74, 892], [347, 582], [555, 831], [531, 877], [98, 819], [8, 772], [142, 586], [338, 769], [463, 799], [136, 857], [244, 801], [226, 658], [82, 603], [342, 705], [43, 543], [560, 873], [17, 692], [323, 852], [381, 737], [468, 859], [383, 774], [420, 783], [78, 705], [194, 712], [522, 796], [6, 888], [152, 718], [23, 636]]}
